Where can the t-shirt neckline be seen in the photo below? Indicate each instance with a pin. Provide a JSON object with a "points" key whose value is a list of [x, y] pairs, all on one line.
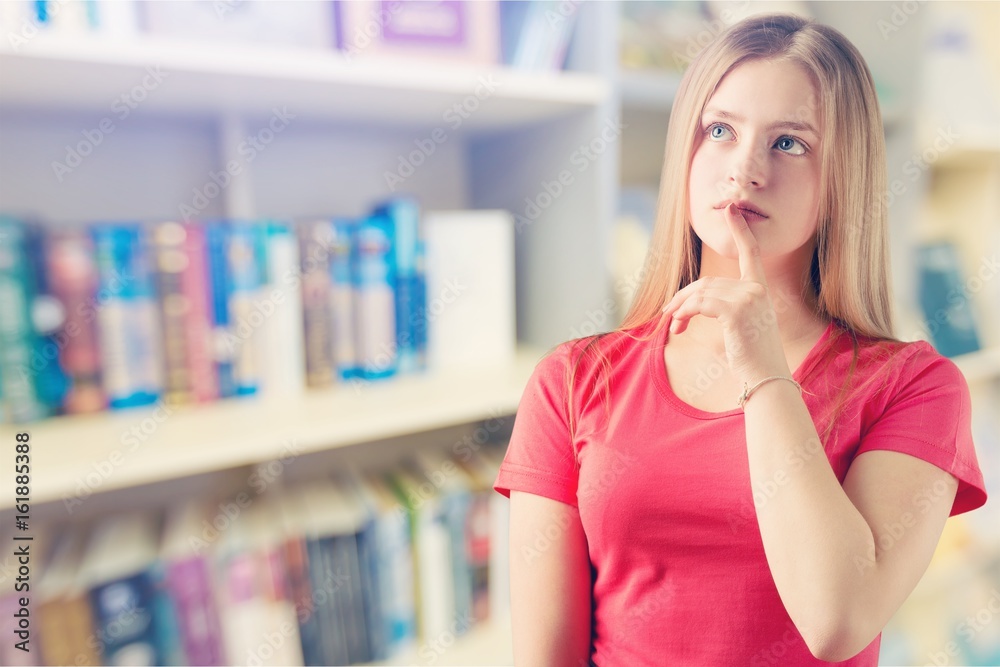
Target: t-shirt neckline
{"points": [[658, 369]]}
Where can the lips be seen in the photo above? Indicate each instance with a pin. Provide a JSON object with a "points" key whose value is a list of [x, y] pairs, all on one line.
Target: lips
{"points": [[745, 207]]}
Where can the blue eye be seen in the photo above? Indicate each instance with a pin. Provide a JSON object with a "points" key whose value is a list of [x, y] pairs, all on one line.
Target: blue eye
{"points": [[713, 127], [791, 142]]}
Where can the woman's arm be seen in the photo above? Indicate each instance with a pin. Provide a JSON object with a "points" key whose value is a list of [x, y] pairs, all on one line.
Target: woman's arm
{"points": [[550, 586]]}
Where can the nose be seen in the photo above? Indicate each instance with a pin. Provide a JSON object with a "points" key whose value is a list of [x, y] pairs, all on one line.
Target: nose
{"points": [[748, 168]]}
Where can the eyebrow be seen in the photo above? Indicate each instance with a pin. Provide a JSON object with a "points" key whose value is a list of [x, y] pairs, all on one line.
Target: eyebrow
{"points": [[791, 125]]}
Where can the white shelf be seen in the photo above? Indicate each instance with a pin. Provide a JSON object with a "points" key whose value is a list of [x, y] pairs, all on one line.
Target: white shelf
{"points": [[236, 432], [486, 644], [87, 73], [980, 365]]}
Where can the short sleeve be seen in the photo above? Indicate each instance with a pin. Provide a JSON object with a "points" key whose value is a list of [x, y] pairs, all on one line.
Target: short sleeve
{"points": [[930, 417], [540, 458]]}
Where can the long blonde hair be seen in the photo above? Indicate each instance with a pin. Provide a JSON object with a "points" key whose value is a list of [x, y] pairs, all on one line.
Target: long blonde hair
{"points": [[849, 272]]}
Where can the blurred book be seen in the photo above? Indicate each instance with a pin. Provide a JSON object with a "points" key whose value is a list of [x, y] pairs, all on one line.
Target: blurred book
{"points": [[21, 360], [470, 289], [537, 33], [465, 31], [128, 319], [185, 553], [945, 301], [132, 616], [297, 23], [72, 274]]}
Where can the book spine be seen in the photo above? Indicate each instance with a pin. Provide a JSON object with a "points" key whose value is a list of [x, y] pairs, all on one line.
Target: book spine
{"points": [[166, 624], [304, 599], [945, 301], [128, 324], [404, 216], [456, 509], [123, 617], [346, 555], [374, 277], [245, 262], [285, 355], [216, 234], [18, 341], [367, 541], [326, 577], [169, 262], [66, 632], [478, 546], [315, 238], [197, 289], [73, 281], [342, 298], [200, 628]]}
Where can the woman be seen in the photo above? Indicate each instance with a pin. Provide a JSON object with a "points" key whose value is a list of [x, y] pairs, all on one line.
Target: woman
{"points": [[751, 469]]}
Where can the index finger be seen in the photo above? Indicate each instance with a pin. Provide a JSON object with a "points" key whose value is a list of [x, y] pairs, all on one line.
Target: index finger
{"points": [[751, 266]]}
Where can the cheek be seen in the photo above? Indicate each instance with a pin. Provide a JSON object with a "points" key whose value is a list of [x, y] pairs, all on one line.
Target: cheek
{"points": [[701, 179]]}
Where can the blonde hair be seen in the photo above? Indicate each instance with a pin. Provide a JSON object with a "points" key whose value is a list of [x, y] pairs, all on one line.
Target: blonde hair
{"points": [[849, 272]]}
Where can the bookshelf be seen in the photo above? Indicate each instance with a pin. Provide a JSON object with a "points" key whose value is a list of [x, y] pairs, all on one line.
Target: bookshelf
{"points": [[108, 455], [353, 122], [85, 73]]}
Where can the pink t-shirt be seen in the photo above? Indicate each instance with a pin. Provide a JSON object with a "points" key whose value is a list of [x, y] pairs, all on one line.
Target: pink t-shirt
{"points": [[663, 488]]}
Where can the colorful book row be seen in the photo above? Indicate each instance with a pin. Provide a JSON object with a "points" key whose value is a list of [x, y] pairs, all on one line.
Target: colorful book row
{"points": [[124, 314], [350, 568], [526, 34]]}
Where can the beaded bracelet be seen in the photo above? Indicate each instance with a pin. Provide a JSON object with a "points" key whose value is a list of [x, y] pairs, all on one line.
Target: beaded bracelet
{"points": [[747, 392]]}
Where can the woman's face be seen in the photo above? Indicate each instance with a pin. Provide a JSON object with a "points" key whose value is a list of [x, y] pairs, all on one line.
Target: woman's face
{"points": [[759, 142]]}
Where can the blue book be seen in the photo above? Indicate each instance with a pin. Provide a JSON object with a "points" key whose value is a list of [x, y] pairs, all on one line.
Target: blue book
{"points": [[945, 301], [216, 233], [128, 322], [410, 283], [119, 570]]}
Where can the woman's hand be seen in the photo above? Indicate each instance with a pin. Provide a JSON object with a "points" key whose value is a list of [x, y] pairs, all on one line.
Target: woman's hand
{"points": [[743, 307]]}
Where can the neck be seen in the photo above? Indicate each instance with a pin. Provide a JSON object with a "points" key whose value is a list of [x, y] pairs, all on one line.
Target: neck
{"points": [[792, 295]]}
